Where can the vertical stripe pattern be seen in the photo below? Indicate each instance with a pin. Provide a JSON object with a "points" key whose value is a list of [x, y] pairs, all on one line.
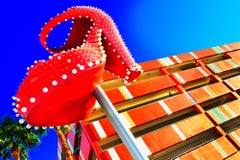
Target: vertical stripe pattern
{"points": [[179, 77], [205, 74], [179, 132], [165, 107], [99, 129], [177, 59], [125, 92], [219, 149], [214, 68], [166, 61], [143, 146], [209, 91], [218, 49], [194, 56], [113, 154], [198, 106]]}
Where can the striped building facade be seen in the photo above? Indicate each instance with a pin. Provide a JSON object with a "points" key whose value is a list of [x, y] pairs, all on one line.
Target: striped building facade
{"points": [[182, 107]]}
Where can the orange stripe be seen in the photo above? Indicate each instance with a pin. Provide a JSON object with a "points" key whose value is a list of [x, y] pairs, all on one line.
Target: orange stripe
{"points": [[185, 57], [161, 139], [146, 113], [204, 53], [199, 95], [115, 95], [178, 103], [235, 135], [234, 156], [226, 147], [234, 46], [144, 87], [150, 65], [201, 124], [122, 152], [235, 54], [215, 150], [233, 82]]}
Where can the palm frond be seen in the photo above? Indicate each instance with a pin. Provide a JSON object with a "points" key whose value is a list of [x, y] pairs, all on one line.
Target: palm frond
{"points": [[14, 134]]}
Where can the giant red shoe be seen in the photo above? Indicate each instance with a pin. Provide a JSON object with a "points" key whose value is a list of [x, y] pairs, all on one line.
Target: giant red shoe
{"points": [[59, 91]]}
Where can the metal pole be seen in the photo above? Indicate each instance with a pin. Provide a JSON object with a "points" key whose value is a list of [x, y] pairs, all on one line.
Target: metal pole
{"points": [[124, 133]]}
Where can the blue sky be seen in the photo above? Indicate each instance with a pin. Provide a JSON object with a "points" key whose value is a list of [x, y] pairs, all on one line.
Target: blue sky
{"points": [[151, 30]]}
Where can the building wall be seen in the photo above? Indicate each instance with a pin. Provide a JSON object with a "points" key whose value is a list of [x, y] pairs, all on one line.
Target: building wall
{"points": [[184, 106]]}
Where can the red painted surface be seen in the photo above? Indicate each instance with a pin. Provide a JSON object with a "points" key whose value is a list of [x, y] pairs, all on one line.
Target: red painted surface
{"points": [[59, 91]]}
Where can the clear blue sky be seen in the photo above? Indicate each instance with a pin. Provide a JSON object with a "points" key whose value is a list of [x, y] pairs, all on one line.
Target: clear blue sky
{"points": [[151, 29]]}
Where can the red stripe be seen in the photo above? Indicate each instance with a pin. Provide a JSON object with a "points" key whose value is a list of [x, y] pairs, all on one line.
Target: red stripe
{"points": [[115, 95], [150, 65], [147, 113], [204, 53], [150, 86], [185, 57], [123, 153]]}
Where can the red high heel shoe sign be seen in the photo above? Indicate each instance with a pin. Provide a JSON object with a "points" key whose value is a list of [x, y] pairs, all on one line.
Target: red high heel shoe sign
{"points": [[58, 91]]}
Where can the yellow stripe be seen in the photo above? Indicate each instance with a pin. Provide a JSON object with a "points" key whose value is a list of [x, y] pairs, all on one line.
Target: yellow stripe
{"points": [[125, 92], [229, 110], [129, 119], [126, 120], [209, 92], [166, 61]]}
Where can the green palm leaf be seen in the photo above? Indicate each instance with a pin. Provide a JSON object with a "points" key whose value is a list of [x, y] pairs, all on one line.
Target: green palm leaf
{"points": [[16, 140]]}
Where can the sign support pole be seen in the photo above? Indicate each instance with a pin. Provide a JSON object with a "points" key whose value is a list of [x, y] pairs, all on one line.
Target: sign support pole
{"points": [[124, 133]]}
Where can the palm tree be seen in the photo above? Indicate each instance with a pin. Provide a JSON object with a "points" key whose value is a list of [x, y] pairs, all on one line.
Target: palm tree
{"points": [[16, 139], [61, 133]]}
